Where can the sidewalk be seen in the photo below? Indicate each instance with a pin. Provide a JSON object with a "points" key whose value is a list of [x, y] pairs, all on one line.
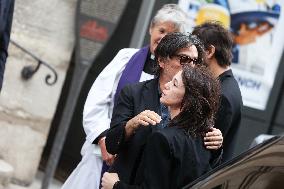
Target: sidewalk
{"points": [[37, 183]]}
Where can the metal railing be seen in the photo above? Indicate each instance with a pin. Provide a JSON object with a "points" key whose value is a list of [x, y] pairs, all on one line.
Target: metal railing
{"points": [[28, 71]]}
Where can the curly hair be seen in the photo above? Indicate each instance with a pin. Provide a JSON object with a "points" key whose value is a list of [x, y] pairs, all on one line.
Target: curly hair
{"points": [[200, 102], [173, 42]]}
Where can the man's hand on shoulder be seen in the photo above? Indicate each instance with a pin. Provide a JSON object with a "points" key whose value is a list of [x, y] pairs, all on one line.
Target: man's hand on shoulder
{"points": [[213, 139]]}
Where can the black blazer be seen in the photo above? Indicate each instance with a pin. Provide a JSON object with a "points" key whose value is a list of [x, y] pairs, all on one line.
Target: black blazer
{"points": [[133, 99], [171, 160], [228, 117], [6, 17]]}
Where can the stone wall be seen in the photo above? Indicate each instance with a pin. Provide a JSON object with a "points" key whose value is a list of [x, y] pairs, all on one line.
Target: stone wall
{"points": [[45, 28]]}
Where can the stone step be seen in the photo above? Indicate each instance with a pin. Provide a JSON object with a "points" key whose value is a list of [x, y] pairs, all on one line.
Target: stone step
{"points": [[6, 172]]}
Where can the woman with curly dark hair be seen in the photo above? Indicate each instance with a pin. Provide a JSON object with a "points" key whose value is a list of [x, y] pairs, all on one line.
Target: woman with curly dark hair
{"points": [[175, 156]]}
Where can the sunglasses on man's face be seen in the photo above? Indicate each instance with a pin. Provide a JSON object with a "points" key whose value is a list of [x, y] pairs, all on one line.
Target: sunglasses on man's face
{"points": [[184, 59]]}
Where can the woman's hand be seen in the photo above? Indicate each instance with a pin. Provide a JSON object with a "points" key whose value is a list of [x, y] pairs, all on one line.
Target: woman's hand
{"points": [[109, 179], [144, 118], [213, 140]]}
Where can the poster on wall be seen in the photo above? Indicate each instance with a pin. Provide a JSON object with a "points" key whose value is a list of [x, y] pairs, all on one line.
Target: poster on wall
{"points": [[258, 33], [96, 21]]}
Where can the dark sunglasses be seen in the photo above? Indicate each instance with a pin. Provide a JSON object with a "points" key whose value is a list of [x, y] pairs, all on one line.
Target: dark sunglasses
{"points": [[183, 59]]}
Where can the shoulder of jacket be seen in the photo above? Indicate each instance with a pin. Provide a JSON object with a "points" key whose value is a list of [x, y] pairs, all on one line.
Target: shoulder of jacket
{"points": [[168, 133], [130, 51], [140, 84]]}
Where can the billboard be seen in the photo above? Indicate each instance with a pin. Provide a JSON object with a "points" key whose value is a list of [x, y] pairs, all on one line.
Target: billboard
{"points": [[258, 40]]}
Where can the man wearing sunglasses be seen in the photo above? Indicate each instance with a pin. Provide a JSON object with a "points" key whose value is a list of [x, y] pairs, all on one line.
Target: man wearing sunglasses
{"points": [[184, 59], [139, 106], [218, 47]]}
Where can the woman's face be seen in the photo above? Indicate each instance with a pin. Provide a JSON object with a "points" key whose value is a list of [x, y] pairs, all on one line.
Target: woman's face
{"points": [[174, 91], [158, 31]]}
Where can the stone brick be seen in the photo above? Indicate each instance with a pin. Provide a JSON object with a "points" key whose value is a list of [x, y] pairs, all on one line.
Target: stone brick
{"points": [[6, 172]]}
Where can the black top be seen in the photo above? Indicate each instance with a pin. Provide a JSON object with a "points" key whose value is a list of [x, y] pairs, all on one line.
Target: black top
{"points": [[171, 160], [6, 17], [228, 117]]}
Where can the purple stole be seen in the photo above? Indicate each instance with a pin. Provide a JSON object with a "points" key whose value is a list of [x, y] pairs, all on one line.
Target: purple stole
{"points": [[133, 70]]}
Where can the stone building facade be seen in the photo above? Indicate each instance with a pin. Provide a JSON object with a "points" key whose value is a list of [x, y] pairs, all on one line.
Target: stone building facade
{"points": [[45, 28]]}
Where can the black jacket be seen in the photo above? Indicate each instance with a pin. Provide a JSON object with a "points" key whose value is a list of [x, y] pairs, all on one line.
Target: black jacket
{"points": [[171, 160], [6, 17], [133, 99], [229, 114]]}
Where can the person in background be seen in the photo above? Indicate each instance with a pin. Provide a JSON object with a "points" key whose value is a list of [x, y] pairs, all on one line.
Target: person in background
{"points": [[175, 156], [6, 18], [139, 106], [128, 66], [218, 46]]}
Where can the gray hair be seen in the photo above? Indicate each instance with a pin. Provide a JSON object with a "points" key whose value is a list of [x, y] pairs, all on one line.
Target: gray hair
{"points": [[171, 13]]}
